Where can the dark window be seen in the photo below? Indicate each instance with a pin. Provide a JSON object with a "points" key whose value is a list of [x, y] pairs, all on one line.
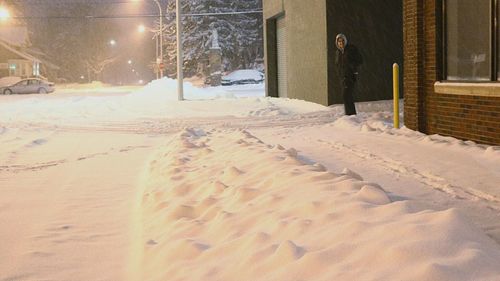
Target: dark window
{"points": [[468, 40]]}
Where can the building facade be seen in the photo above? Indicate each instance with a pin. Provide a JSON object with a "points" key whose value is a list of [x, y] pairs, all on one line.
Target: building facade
{"points": [[14, 62], [300, 47], [452, 68], [449, 50], [18, 59]]}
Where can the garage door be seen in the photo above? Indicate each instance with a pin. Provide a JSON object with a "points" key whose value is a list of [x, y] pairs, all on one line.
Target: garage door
{"points": [[282, 62]]}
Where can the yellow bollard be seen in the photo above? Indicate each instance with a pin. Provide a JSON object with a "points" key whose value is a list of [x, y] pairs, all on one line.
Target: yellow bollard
{"points": [[395, 77]]}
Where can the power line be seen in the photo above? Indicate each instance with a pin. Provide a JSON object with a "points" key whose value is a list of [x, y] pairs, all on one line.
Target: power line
{"points": [[94, 2], [138, 15], [225, 13]]}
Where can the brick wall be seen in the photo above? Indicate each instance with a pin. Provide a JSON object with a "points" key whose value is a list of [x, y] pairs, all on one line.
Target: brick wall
{"points": [[475, 118], [413, 61]]}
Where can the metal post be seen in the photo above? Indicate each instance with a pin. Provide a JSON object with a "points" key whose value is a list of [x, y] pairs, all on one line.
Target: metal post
{"points": [[395, 83], [161, 35], [157, 58], [180, 78]]}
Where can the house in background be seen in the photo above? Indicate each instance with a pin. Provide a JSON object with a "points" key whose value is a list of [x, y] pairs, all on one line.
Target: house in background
{"points": [[14, 62], [452, 68], [300, 47], [17, 59]]}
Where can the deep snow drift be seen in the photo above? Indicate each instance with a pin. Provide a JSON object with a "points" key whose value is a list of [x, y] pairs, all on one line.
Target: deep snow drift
{"points": [[222, 205]]}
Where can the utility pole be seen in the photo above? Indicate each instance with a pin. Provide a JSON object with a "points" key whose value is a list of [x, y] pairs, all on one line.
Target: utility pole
{"points": [[157, 62], [160, 60], [180, 74]]}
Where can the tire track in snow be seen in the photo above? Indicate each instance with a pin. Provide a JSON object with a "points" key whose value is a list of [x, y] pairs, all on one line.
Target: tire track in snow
{"points": [[17, 168], [175, 125]]}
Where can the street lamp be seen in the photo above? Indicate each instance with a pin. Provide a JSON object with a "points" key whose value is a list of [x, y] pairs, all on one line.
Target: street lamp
{"points": [[180, 74], [161, 37], [180, 86], [4, 14], [141, 28]]}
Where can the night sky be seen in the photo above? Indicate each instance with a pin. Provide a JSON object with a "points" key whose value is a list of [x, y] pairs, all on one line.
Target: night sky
{"points": [[123, 15]]}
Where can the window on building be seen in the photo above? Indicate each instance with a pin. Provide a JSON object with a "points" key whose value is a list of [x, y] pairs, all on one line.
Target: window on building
{"points": [[468, 42], [12, 69], [36, 69]]}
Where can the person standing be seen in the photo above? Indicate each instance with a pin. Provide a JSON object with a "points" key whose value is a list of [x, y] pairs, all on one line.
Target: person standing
{"points": [[348, 59]]}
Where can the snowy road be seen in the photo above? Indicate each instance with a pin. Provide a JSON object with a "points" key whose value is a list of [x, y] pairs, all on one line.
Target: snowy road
{"points": [[72, 168], [66, 199]]}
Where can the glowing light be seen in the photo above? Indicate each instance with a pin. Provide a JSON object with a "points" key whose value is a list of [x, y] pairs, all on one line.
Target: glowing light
{"points": [[141, 28], [4, 13], [129, 61], [112, 42]]}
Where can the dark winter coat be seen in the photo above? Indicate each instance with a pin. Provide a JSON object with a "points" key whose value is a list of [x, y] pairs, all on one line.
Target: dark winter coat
{"points": [[348, 62]]}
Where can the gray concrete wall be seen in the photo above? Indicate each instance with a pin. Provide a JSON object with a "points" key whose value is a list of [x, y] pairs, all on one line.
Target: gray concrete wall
{"points": [[272, 8], [307, 56]]}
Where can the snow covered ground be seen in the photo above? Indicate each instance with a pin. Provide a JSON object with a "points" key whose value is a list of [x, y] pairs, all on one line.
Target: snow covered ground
{"points": [[127, 183]]}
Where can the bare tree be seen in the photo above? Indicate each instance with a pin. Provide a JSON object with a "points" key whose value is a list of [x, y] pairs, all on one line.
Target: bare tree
{"points": [[96, 66]]}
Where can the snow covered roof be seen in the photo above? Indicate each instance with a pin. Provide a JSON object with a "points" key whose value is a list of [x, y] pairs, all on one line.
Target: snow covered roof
{"points": [[42, 57], [18, 52]]}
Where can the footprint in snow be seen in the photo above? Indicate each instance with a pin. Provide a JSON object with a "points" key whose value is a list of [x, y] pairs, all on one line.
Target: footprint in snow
{"points": [[37, 142], [151, 242]]}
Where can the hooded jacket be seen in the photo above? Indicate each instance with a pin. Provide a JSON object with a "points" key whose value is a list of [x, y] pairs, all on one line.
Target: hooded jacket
{"points": [[347, 60]]}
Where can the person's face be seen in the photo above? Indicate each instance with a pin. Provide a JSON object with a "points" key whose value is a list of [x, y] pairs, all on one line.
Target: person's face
{"points": [[341, 43]]}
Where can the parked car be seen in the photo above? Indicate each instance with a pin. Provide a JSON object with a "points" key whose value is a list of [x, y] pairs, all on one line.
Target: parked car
{"points": [[244, 76], [28, 86]]}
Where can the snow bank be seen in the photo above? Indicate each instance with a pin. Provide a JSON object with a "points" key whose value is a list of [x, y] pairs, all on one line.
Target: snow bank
{"points": [[160, 99], [244, 74], [165, 89], [222, 205], [83, 86], [377, 116], [156, 100]]}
